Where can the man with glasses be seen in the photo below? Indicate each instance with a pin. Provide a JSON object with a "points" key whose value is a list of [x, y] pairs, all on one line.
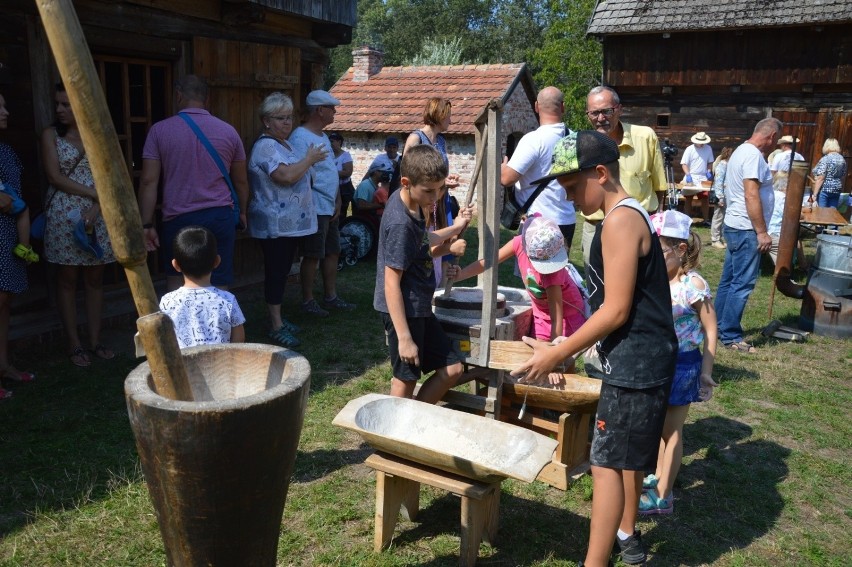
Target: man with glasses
{"points": [[641, 162], [323, 248], [195, 191]]}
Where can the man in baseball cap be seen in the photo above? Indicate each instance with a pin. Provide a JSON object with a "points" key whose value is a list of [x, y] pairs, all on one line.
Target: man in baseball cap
{"points": [[321, 249], [632, 335], [389, 159]]}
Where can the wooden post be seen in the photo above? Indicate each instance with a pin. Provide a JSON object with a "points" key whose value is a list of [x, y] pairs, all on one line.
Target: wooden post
{"points": [[112, 181]]}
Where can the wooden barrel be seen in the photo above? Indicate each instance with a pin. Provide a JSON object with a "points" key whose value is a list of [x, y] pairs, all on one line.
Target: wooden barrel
{"points": [[218, 467]]}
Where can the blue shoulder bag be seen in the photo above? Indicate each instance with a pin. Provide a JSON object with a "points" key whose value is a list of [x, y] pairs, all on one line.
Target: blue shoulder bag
{"points": [[218, 160]]}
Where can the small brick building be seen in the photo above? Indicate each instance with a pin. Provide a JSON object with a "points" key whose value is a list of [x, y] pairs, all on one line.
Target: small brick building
{"points": [[377, 102]]}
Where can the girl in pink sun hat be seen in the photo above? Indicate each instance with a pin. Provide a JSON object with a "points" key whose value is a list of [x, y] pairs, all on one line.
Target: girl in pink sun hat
{"points": [[560, 304]]}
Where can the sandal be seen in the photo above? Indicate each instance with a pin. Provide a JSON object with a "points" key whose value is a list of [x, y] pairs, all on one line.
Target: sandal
{"points": [[5, 394], [650, 482], [102, 352], [742, 346], [80, 358], [25, 253], [650, 503], [15, 375]]}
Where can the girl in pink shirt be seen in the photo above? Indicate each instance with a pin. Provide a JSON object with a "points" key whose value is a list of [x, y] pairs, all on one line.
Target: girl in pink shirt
{"points": [[559, 307]]}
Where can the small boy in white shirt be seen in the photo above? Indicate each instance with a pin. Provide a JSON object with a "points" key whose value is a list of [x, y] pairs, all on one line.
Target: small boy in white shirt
{"points": [[202, 313]]}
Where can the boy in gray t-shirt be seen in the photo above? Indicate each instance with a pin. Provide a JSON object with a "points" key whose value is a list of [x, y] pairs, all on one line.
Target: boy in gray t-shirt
{"points": [[405, 279]]}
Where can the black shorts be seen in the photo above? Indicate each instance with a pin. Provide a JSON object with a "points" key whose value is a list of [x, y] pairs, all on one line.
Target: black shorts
{"points": [[324, 242], [628, 426], [433, 347]]}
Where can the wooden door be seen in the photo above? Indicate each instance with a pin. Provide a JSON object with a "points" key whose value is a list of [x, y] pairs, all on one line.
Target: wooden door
{"points": [[813, 128], [241, 75]]}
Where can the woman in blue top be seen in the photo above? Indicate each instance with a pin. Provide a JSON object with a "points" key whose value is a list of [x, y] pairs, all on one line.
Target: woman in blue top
{"points": [[437, 117], [829, 174]]}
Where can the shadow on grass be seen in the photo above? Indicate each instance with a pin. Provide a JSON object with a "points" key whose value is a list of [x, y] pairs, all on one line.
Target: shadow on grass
{"points": [[726, 500], [529, 532], [734, 373], [317, 464]]}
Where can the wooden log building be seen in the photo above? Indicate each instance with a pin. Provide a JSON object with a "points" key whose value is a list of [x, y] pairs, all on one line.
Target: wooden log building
{"points": [[244, 48], [683, 66]]}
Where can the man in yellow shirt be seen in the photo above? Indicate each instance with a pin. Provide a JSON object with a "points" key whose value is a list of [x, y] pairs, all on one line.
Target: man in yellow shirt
{"points": [[641, 162]]}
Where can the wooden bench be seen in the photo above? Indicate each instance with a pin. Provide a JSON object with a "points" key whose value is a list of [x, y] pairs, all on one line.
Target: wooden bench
{"points": [[398, 483]]}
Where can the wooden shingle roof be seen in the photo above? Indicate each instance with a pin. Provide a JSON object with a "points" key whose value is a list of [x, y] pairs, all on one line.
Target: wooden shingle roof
{"points": [[643, 16], [393, 99]]}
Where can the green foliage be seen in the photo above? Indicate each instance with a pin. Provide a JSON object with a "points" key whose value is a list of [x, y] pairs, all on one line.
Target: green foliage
{"points": [[568, 59], [444, 52], [549, 35]]}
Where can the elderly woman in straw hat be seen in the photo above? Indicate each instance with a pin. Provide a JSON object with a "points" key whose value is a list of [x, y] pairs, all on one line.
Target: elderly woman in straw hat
{"points": [[779, 165], [697, 164]]}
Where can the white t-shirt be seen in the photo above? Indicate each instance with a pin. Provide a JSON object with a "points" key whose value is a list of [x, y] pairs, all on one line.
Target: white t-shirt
{"points": [[202, 315], [697, 159], [341, 160], [323, 173], [532, 159], [781, 161], [746, 163]]}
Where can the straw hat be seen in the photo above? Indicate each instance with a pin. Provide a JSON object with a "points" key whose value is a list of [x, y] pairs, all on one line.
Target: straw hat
{"points": [[787, 140], [700, 138]]}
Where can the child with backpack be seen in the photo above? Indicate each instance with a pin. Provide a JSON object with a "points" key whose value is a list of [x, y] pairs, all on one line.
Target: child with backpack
{"points": [[559, 304]]}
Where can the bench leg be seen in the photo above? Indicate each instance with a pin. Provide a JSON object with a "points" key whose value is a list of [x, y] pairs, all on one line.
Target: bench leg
{"points": [[472, 525], [492, 515], [391, 493]]}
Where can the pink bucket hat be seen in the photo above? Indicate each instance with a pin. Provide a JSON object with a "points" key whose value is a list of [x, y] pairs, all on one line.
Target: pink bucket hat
{"points": [[673, 224], [544, 245]]}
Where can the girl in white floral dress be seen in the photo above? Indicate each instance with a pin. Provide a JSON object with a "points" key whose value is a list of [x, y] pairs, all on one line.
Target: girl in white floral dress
{"points": [[694, 323], [72, 196]]}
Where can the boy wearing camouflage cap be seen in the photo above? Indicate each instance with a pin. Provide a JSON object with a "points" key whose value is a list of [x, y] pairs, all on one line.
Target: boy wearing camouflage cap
{"points": [[633, 336]]}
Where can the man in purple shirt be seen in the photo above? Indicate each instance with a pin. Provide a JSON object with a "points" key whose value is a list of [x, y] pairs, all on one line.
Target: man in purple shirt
{"points": [[194, 190]]}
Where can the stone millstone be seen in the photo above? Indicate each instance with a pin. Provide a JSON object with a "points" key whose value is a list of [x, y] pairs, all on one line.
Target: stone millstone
{"points": [[466, 303]]}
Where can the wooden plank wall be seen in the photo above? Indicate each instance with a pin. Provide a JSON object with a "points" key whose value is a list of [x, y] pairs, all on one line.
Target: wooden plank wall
{"points": [[758, 60], [724, 82], [241, 74]]}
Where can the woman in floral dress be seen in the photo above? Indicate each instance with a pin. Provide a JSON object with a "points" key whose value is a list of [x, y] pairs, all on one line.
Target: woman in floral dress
{"points": [[72, 197]]}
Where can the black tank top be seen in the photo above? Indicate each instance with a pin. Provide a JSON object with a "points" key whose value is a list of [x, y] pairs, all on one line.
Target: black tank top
{"points": [[641, 353]]}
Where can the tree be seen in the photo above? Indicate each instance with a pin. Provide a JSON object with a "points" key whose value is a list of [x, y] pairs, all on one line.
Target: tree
{"points": [[550, 35], [445, 52], [568, 59]]}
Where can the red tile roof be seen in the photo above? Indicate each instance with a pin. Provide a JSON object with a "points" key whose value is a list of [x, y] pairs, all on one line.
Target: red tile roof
{"points": [[393, 99]]}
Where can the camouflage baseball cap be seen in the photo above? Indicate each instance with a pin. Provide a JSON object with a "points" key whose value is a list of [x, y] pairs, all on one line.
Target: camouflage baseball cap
{"points": [[580, 150]]}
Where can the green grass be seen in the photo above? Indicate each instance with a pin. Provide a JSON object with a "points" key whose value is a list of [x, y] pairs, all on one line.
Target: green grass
{"points": [[765, 479]]}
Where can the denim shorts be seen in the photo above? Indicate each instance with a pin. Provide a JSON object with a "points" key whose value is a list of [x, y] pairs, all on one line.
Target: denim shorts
{"points": [[220, 221], [628, 426], [687, 378]]}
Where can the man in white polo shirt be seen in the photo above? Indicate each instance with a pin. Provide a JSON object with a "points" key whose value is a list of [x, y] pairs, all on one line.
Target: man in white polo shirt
{"points": [[531, 160]]}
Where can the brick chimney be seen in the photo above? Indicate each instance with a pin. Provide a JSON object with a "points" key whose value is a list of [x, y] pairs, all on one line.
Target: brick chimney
{"points": [[366, 62]]}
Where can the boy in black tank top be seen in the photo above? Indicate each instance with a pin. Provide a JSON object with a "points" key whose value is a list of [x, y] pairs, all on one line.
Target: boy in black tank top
{"points": [[631, 327]]}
